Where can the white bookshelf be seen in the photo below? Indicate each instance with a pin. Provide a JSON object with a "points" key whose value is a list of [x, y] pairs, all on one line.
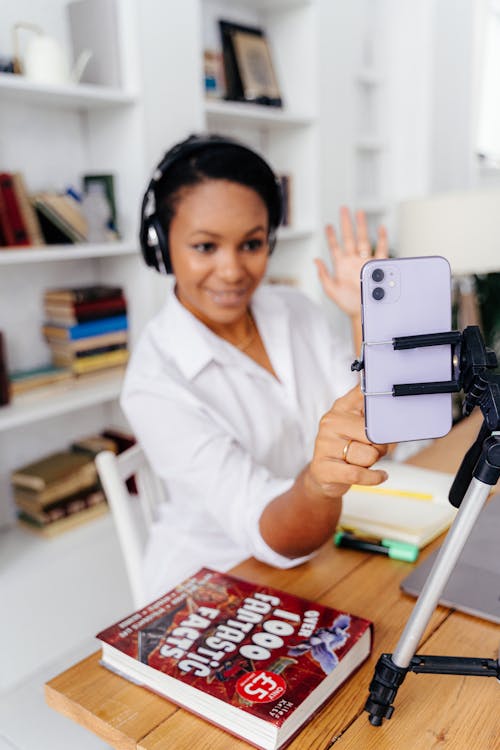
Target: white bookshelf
{"points": [[287, 136], [76, 96], [245, 115], [59, 399], [54, 135], [48, 253]]}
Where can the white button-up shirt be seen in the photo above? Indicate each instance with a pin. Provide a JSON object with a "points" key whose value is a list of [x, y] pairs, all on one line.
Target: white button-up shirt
{"points": [[224, 434]]}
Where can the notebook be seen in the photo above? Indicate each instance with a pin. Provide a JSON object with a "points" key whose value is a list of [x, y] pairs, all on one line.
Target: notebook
{"points": [[474, 585], [411, 506]]}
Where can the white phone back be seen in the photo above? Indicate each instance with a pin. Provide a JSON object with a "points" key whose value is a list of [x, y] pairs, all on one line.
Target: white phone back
{"points": [[417, 300]]}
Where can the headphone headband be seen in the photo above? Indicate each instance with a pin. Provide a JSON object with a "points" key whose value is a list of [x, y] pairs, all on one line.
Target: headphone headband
{"points": [[152, 236]]}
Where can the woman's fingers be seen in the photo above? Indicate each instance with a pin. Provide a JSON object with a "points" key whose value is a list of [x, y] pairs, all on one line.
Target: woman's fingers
{"points": [[347, 231], [382, 246], [364, 246], [343, 454], [335, 477]]}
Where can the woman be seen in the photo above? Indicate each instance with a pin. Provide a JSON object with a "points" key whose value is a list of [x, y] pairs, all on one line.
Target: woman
{"points": [[231, 386]]}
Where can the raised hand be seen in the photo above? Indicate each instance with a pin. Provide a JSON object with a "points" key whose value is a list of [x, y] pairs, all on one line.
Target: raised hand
{"points": [[348, 257]]}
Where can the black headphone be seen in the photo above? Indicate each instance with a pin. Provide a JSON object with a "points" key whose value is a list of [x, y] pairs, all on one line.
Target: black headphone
{"points": [[152, 236]]}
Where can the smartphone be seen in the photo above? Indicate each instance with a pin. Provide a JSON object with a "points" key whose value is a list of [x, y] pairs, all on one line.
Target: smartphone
{"points": [[404, 297]]}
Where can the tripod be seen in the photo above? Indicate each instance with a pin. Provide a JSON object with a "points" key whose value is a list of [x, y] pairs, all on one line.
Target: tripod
{"points": [[478, 473]]}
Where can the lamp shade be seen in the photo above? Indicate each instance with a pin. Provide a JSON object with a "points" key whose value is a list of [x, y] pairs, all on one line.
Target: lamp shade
{"points": [[463, 226]]}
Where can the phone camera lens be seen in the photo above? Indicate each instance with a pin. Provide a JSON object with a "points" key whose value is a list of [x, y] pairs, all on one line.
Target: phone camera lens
{"points": [[378, 275], [378, 293]]}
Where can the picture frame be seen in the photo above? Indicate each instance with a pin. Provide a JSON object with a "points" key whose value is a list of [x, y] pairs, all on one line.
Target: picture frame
{"points": [[248, 65], [108, 183]]}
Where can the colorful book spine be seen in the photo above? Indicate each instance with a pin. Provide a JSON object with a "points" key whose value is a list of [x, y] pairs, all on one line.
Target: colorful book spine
{"points": [[17, 234], [90, 328], [100, 361], [79, 294]]}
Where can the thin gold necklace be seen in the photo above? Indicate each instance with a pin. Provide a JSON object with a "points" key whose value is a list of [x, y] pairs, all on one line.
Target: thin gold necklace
{"points": [[248, 339]]}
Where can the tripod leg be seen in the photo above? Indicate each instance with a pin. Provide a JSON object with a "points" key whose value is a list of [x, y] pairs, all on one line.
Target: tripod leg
{"points": [[391, 670], [456, 538]]}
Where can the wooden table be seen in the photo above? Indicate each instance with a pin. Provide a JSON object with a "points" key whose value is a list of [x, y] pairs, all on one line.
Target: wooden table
{"points": [[431, 711]]}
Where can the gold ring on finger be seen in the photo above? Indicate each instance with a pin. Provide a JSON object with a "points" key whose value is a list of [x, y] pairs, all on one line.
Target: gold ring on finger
{"points": [[345, 450]]}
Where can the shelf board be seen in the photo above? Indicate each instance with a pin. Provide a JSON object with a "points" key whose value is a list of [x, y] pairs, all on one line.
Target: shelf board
{"points": [[71, 96], [61, 398], [243, 114], [43, 253]]}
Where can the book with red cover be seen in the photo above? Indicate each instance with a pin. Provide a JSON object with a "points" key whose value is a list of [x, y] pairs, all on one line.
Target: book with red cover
{"points": [[78, 294], [5, 231], [78, 312], [251, 659], [14, 228], [27, 211]]}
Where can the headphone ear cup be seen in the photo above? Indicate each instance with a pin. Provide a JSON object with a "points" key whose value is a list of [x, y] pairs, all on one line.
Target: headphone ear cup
{"points": [[154, 245], [162, 251], [272, 241]]}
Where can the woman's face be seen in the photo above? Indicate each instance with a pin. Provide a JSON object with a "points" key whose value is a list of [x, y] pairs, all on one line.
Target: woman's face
{"points": [[218, 247]]}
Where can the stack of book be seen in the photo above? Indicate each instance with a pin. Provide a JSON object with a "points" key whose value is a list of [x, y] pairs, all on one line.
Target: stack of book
{"points": [[86, 327], [58, 492]]}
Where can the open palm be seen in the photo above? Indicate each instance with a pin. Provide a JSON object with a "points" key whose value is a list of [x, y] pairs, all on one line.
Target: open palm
{"points": [[342, 285]]}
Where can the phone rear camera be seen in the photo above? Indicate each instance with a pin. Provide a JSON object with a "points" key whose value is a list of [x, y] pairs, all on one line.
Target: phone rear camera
{"points": [[378, 275], [378, 292]]}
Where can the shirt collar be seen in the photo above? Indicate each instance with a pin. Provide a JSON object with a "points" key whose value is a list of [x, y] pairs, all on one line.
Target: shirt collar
{"points": [[194, 346]]}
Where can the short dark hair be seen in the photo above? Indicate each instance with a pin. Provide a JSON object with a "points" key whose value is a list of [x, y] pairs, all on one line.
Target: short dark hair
{"points": [[221, 160]]}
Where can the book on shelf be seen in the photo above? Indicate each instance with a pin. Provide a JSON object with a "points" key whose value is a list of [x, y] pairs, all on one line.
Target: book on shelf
{"points": [[13, 225], [3, 227], [79, 312], [27, 211], [5, 392], [22, 381], [87, 344], [89, 328], [63, 524], [410, 506], [94, 444], [66, 506], [92, 362], [60, 216], [85, 293], [68, 358], [56, 476], [251, 659], [123, 440]]}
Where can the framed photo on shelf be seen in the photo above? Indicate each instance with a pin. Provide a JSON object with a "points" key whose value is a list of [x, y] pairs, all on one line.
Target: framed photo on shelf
{"points": [[107, 181], [248, 65]]}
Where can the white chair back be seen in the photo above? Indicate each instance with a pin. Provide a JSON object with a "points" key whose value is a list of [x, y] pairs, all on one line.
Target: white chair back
{"points": [[132, 514]]}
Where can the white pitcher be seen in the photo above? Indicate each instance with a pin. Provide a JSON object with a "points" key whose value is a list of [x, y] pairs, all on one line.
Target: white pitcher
{"points": [[44, 59]]}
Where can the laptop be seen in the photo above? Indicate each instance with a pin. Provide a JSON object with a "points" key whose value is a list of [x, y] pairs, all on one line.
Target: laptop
{"points": [[474, 585]]}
